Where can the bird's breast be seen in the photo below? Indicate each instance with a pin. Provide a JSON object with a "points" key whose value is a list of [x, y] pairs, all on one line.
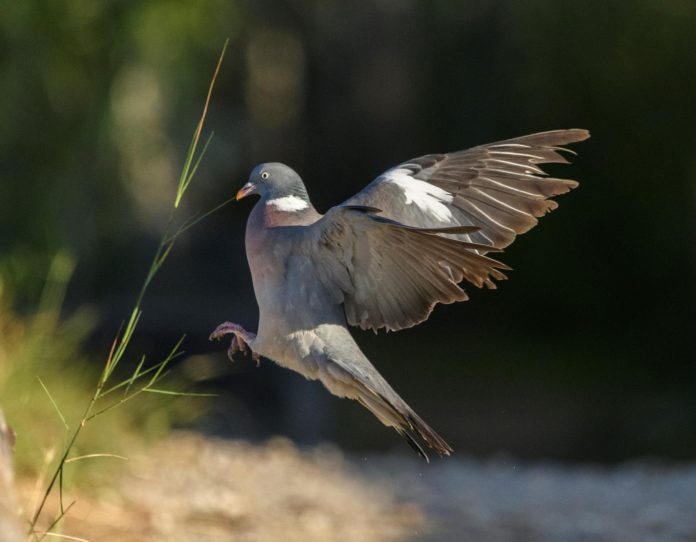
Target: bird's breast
{"points": [[290, 298]]}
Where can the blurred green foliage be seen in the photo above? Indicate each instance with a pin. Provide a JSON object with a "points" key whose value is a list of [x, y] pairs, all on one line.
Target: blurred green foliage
{"points": [[88, 91], [46, 381]]}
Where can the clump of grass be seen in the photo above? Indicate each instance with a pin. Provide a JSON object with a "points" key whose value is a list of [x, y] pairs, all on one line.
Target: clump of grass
{"points": [[44, 372], [43, 338]]}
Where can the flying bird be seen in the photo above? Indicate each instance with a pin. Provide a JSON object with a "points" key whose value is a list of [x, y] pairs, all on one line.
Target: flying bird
{"points": [[384, 258]]}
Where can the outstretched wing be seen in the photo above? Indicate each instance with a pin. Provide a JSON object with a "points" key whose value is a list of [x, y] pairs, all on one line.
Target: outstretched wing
{"points": [[389, 275], [498, 187], [405, 242]]}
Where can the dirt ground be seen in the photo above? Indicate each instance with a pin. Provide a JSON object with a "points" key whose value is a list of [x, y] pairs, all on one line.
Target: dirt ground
{"points": [[192, 488]]}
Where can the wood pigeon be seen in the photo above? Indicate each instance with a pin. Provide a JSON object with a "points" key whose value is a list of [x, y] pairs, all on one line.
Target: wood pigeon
{"points": [[384, 258]]}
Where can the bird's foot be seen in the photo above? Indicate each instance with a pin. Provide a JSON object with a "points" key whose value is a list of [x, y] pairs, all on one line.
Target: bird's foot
{"points": [[240, 342]]}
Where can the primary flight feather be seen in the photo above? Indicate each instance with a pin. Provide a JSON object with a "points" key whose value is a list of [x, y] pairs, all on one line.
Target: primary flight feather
{"points": [[385, 257]]}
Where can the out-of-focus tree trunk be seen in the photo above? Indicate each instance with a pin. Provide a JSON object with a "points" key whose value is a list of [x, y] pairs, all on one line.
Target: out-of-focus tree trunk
{"points": [[10, 530]]}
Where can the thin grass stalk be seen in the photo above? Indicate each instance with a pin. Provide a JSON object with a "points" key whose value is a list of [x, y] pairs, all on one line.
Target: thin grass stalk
{"points": [[122, 340], [56, 521]]}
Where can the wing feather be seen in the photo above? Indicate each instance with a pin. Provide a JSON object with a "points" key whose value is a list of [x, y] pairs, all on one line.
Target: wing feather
{"points": [[499, 187], [389, 275], [405, 242]]}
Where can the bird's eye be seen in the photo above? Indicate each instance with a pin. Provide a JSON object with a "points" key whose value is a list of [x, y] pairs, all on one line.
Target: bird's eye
{"points": [[264, 175]]}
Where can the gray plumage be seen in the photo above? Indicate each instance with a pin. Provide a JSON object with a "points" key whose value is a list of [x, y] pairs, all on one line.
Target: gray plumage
{"points": [[385, 258]]}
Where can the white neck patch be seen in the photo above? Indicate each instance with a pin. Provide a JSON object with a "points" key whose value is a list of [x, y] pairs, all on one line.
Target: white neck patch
{"points": [[289, 204]]}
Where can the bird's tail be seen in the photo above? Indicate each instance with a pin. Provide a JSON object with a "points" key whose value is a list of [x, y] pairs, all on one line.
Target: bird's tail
{"points": [[394, 412], [359, 380]]}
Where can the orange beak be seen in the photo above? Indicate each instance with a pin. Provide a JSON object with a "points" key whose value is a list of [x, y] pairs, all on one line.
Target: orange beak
{"points": [[247, 189]]}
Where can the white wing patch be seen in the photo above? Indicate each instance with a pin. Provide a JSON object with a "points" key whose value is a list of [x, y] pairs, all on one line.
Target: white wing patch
{"points": [[289, 204], [427, 197]]}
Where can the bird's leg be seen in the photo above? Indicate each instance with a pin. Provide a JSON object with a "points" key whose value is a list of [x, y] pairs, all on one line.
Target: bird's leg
{"points": [[242, 338]]}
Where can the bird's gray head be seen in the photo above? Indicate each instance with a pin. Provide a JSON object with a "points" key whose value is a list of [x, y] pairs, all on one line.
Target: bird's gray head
{"points": [[278, 185]]}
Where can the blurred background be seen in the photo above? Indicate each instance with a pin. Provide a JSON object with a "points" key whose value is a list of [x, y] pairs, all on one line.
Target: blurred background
{"points": [[584, 355]]}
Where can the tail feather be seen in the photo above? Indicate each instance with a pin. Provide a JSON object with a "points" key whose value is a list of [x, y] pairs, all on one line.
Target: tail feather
{"points": [[435, 441], [397, 414], [413, 443], [359, 380]]}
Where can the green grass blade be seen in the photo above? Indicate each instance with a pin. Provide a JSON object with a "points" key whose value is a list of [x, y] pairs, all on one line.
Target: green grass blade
{"points": [[112, 405], [178, 393], [190, 223], [184, 180], [55, 405], [131, 380], [136, 374], [166, 361], [56, 521], [181, 188], [123, 343], [198, 160]]}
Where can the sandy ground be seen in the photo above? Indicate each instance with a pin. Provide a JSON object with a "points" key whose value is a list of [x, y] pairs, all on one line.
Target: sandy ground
{"points": [[190, 488]]}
